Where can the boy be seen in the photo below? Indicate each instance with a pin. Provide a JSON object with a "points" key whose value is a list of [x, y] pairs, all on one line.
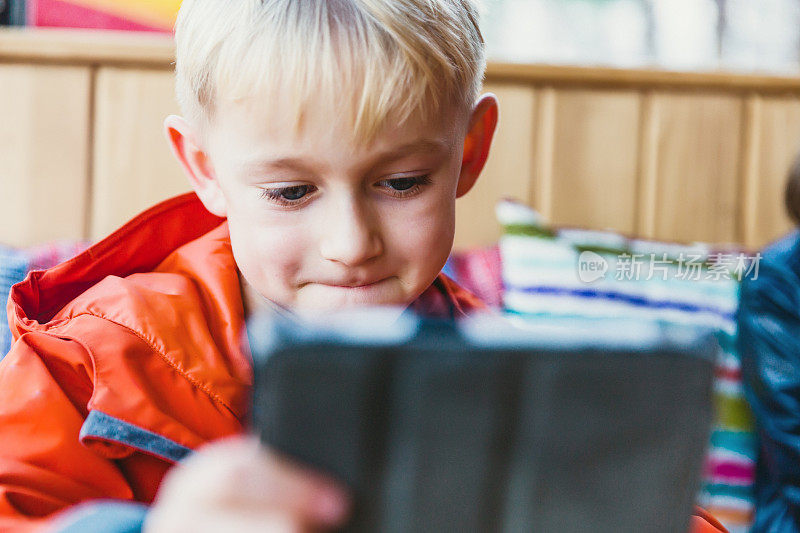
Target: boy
{"points": [[327, 141]]}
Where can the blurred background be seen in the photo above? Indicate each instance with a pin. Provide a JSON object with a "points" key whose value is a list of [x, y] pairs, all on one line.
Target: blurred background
{"points": [[734, 35], [665, 119], [737, 35]]}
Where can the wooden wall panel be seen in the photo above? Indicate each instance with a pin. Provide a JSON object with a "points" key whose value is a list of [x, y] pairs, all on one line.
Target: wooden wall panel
{"points": [[648, 166], [776, 142], [508, 172], [697, 167], [133, 166], [595, 159], [544, 126], [44, 153]]}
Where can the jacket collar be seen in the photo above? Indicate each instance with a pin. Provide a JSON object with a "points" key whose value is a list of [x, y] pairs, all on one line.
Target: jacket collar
{"points": [[138, 246]]}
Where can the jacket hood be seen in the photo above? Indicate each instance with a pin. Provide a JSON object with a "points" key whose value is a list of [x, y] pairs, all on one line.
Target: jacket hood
{"points": [[139, 246]]}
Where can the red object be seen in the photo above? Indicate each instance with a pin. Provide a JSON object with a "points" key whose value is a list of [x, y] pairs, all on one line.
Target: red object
{"points": [[703, 522], [127, 357], [56, 13]]}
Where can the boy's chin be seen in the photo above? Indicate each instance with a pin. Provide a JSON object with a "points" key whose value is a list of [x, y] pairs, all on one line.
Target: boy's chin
{"points": [[351, 314]]}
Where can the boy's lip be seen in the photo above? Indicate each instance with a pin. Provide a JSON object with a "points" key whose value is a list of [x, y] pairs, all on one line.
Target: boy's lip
{"points": [[355, 284]]}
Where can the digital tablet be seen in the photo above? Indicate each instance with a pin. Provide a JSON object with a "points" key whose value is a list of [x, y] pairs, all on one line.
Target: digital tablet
{"points": [[480, 426]]}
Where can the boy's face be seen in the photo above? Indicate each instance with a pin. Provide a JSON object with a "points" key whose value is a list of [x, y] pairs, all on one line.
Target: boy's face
{"points": [[318, 221]]}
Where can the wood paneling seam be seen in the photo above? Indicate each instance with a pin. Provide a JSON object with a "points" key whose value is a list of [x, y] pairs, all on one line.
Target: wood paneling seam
{"points": [[647, 180], [87, 220], [545, 146], [748, 170]]}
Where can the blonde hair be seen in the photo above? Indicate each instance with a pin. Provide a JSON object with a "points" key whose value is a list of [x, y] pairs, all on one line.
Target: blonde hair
{"points": [[369, 59]]}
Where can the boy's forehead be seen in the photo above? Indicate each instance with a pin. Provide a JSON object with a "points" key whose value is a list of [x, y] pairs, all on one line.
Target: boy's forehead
{"points": [[256, 128]]}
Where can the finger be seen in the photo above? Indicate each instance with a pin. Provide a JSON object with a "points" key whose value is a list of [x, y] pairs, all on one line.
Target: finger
{"points": [[290, 486], [238, 473], [214, 520]]}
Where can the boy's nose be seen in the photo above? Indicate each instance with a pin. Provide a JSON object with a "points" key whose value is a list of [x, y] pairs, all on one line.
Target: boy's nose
{"points": [[351, 235]]}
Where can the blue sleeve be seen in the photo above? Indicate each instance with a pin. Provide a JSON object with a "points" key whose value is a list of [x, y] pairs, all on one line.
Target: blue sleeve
{"points": [[105, 516], [769, 343]]}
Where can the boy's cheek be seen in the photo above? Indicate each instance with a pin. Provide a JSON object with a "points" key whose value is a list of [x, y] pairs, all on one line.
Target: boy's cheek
{"points": [[269, 258], [435, 230], [425, 250]]}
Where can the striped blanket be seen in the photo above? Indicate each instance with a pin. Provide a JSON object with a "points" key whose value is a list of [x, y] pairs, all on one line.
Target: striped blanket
{"points": [[554, 274]]}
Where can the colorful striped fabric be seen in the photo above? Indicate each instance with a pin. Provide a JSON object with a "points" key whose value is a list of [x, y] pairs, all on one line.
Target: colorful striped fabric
{"points": [[131, 15], [555, 274]]}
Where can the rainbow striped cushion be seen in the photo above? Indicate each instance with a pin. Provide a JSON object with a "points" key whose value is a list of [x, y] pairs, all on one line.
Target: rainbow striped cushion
{"points": [[557, 273], [133, 15]]}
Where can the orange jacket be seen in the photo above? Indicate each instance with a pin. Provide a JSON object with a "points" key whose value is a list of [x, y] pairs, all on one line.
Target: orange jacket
{"points": [[126, 358]]}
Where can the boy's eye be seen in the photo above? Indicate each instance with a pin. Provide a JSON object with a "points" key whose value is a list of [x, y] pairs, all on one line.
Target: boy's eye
{"points": [[401, 184], [406, 186], [294, 193], [287, 195]]}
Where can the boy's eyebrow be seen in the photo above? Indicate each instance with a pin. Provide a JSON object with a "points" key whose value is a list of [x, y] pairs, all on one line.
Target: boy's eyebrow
{"points": [[306, 164], [423, 145]]}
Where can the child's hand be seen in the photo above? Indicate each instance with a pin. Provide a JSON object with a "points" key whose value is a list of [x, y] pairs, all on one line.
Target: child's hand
{"points": [[237, 485]]}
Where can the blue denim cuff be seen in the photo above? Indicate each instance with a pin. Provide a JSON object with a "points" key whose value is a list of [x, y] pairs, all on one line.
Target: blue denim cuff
{"points": [[106, 427], [103, 517]]}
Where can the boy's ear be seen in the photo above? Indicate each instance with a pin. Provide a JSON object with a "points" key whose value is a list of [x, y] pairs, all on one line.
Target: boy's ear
{"points": [[482, 125], [183, 141]]}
